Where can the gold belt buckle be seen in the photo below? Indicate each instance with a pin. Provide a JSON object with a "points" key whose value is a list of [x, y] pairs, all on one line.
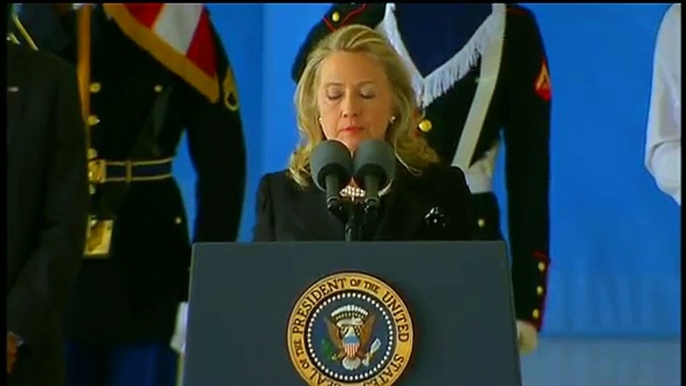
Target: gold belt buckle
{"points": [[129, 171], [99, 239], [97, 171]]}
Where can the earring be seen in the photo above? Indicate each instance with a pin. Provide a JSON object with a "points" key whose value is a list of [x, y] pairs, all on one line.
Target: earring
{"points": [[319, 119], [392, 120]]}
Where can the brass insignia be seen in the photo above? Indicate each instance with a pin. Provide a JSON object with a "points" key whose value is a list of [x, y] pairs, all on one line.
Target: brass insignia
{"points": [[425, 125], [99, 239], [97, 171], [230, 91], [95, 88], [350, 329]]}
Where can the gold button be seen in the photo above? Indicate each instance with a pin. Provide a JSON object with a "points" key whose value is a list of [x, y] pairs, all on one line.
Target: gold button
{"points": [[539, 290], [336, 17], [482, 223], [95, 87], [535, 314], [178, 220], [92, 153], [541, 267], [425, 125], [91, 189], [158, 88], [93, 120]]}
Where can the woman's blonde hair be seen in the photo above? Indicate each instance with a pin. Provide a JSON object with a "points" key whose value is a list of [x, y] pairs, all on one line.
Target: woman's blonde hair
{"points": [[411, 150]]}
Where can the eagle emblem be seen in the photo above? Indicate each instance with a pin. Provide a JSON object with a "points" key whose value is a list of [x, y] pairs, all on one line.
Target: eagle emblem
{"points": [[350, 328], [350, 332]]}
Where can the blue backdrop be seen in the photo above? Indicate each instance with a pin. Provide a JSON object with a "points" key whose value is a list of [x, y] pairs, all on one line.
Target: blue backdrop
{"points": [[615, 237]]}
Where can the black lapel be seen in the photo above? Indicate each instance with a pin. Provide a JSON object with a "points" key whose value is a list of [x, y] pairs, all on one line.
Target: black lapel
{"points": [[15, 91], [403, 213]]}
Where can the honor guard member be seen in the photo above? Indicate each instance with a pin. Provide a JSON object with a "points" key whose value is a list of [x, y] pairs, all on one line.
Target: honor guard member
{"points": [[481, 76], [148, 71]]}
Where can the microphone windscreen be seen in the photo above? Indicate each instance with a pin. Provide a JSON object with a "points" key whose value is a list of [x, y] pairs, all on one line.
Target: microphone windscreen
{"points": [[374, 157], [330, 157]]}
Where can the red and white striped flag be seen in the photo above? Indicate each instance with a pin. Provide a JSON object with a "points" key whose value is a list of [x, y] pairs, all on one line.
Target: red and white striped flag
{"points": [[178, 35]]}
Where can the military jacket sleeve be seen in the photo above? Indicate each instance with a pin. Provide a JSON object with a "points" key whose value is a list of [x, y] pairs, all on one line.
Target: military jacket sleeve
{"points": [[217, 149], [526, 134]]}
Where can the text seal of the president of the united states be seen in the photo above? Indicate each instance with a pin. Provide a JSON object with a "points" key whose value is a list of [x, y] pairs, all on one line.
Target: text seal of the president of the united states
{"points": [[350, 328]]}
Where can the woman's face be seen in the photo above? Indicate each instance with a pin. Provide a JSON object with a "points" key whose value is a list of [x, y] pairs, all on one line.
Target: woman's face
{"points": [[353, 98]]}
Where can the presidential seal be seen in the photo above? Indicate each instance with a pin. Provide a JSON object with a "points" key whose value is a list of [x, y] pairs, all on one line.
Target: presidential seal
{"points": [[350, 329]]}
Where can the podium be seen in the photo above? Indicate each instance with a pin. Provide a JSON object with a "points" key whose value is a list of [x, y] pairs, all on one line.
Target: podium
{"points": [[259, 314]]}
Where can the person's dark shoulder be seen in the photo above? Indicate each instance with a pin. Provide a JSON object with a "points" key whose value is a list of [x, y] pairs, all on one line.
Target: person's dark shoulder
{"points": [[280, 184], [43, 67], [520, 17], [520, 11], [279, 180]]}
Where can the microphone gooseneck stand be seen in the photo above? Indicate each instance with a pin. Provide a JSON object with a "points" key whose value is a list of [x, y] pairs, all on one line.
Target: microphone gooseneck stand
{"points": [[353, 224], [356, 216], [353, 215]]}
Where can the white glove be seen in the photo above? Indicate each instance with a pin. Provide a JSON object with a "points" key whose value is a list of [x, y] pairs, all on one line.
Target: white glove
{"points": [[527, 337], [178, 340]]}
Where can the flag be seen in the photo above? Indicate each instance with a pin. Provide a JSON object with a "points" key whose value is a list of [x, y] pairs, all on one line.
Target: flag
{"points": [[179, 36]]}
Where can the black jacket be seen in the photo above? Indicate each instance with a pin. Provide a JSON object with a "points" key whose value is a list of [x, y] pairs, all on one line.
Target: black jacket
{"points": [[287, 212], [47, 207]]}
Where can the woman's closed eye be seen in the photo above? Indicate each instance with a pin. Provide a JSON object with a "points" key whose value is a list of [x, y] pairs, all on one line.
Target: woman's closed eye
{"points": [[368, 94], [364, 95], [333, 96]]}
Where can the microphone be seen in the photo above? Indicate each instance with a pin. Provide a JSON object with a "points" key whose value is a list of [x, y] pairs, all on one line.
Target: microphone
{"points": [[331, 166], [373, 169]]}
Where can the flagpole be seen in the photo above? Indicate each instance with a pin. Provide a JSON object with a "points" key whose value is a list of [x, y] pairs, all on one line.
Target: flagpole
{"points": [[83, 65]]}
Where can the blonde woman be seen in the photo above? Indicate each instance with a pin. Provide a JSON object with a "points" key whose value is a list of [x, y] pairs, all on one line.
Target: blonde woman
{"points": [[355, 87]]}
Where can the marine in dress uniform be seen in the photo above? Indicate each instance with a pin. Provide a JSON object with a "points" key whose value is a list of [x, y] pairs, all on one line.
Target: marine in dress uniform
{"points": [[140, 96], [481, 76]]}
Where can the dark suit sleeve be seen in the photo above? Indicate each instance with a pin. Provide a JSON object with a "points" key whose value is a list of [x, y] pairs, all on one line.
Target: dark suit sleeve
{"points": [[337, 16], [41, 290], [264, 212], [526, 133], [217, 150]]}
